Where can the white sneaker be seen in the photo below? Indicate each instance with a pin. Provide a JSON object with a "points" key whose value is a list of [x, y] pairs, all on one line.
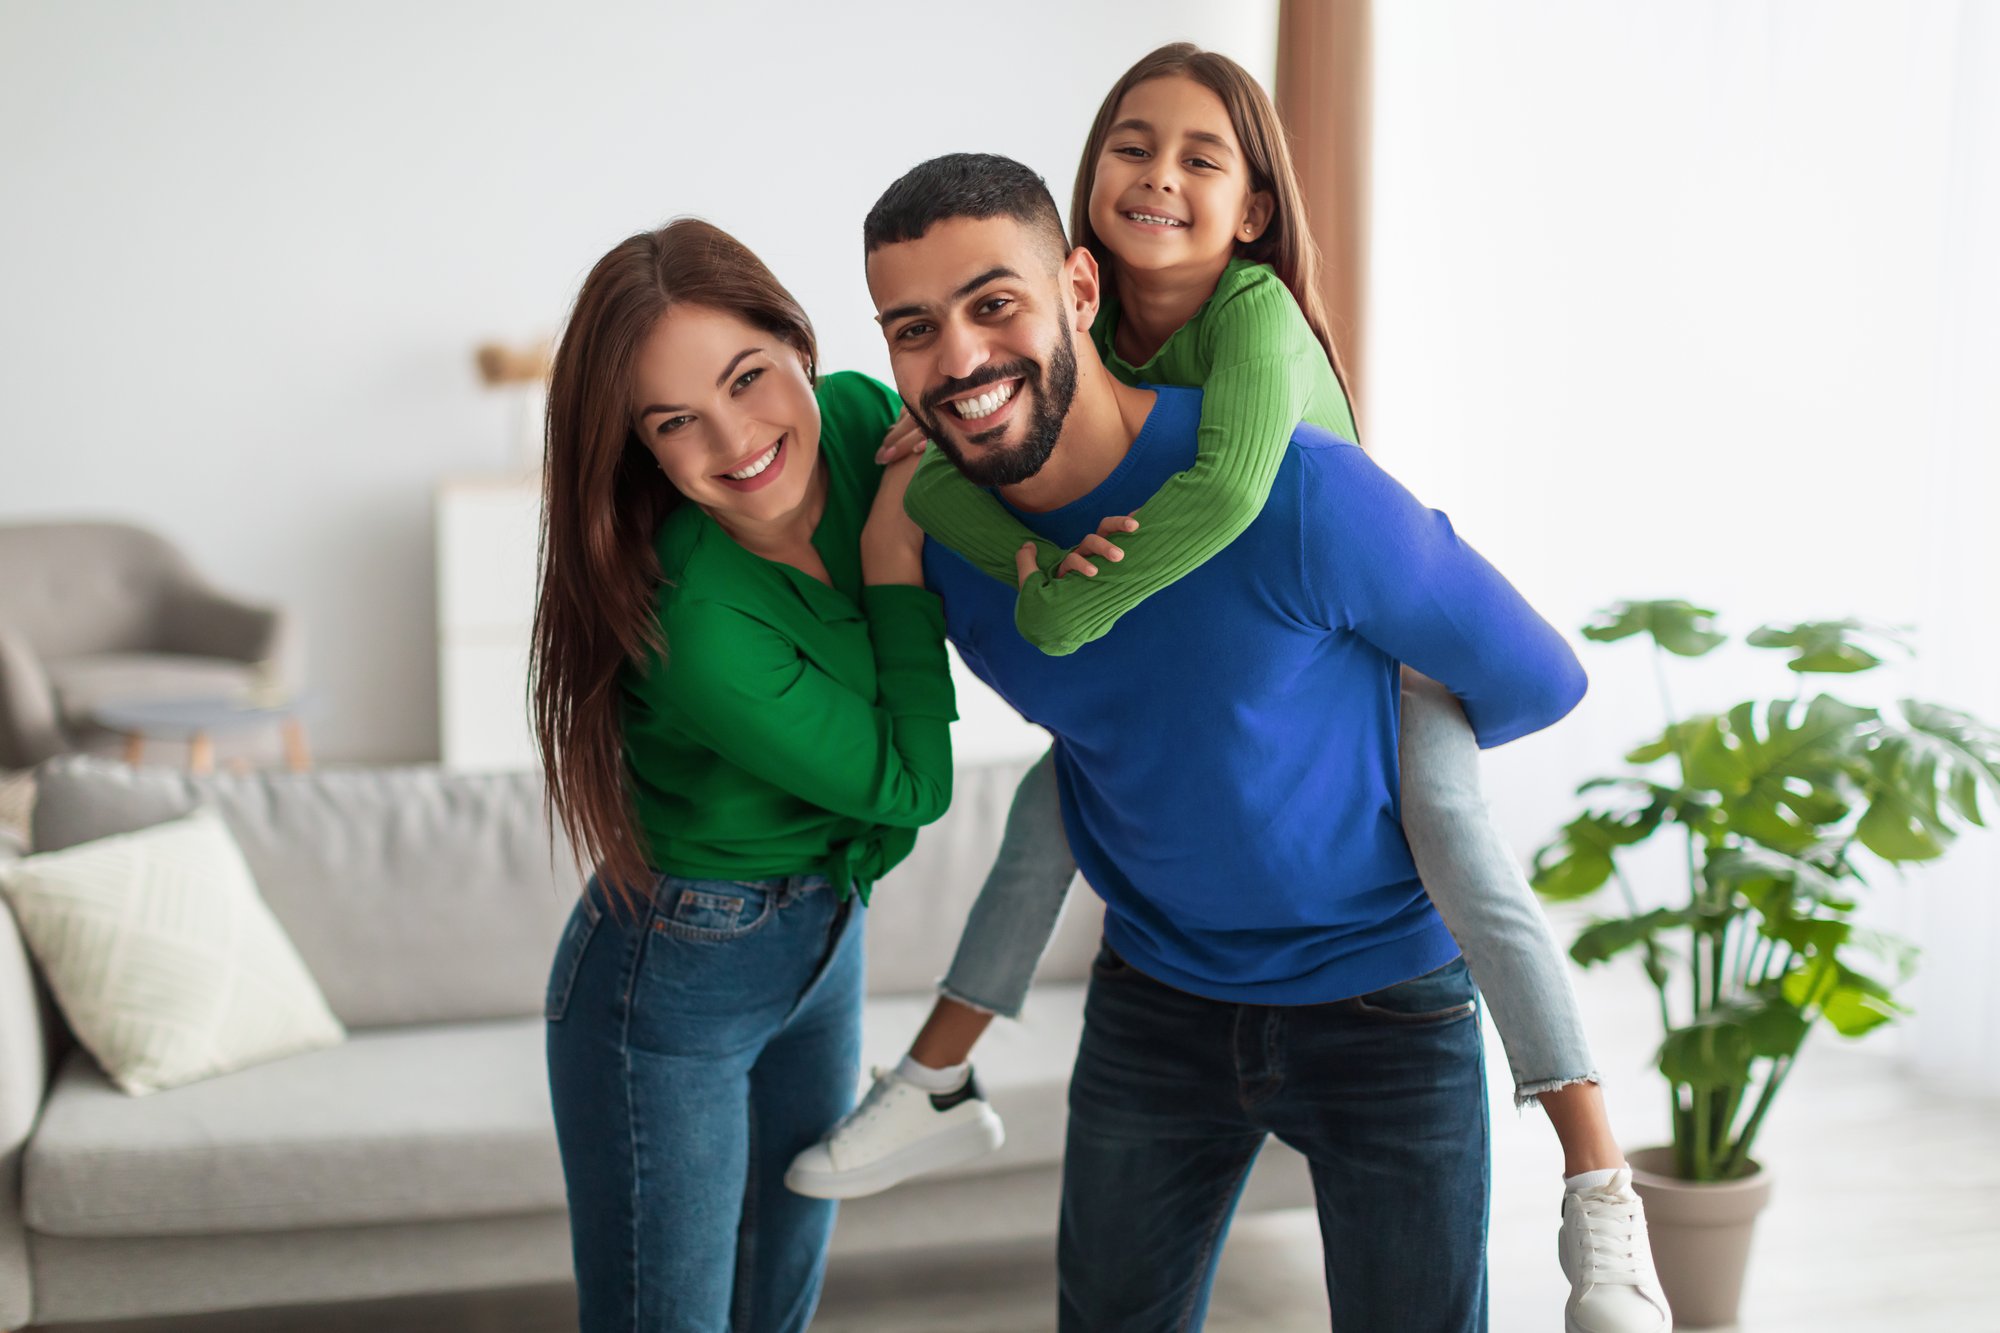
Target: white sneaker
{"points": [[897, 1132], [1608, 1259]]}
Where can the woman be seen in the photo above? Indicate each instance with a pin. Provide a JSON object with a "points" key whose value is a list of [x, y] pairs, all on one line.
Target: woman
{"points": [[742, 704]]}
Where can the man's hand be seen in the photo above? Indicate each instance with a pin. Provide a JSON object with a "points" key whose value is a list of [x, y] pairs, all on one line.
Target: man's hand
{"points": [[1077, 561], [905, 438]]}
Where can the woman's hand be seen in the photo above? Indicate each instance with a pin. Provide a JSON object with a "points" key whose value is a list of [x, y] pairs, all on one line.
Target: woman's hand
{"points": [[1078, 560], [892, 545], [905, 438]]}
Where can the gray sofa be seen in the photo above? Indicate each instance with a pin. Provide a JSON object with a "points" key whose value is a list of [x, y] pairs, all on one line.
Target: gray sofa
{"points": [[96, 612], [420, 1155]]}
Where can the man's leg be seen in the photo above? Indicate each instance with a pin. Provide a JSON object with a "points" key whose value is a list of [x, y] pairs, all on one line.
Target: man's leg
{"points": [[1157, 1154], [1386, 1095]]}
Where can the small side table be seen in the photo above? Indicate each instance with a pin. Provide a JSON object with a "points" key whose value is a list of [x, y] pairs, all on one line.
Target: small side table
{"points": [[197, 721]]}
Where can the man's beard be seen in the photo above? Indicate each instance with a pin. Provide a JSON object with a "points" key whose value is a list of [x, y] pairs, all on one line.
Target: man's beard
{"points": [[1053, 393]]}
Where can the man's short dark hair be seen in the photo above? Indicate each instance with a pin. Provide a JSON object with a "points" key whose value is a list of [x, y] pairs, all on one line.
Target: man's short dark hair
{"points": [[963, 185]]}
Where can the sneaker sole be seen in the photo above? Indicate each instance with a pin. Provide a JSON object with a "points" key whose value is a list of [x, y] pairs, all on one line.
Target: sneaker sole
{"points": [[965, 1143]]}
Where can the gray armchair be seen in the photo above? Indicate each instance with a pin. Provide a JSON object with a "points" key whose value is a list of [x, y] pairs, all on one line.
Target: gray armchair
{"points": [[96, 612]]}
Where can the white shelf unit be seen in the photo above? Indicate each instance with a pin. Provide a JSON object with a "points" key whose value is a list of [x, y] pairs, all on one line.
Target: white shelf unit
{"points": [[486, 532]]}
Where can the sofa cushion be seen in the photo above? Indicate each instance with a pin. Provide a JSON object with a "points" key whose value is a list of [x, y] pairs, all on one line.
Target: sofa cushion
{"points": [[409, 1124], [401, 1125], [168, 965], [82, 684], [413, 894]]}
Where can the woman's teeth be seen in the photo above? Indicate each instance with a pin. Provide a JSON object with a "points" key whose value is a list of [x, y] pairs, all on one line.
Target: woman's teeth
{"points": [[763, 461], [986, 404], [1156, 219]]}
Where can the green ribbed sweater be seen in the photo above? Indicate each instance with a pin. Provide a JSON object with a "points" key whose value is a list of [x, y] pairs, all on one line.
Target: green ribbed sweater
{"points": [[1262, 372]]}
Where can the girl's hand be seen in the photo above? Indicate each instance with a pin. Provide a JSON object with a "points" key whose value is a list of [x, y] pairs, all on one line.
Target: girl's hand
{"points": [[892, 545], [905, 439], [1077, 561]]}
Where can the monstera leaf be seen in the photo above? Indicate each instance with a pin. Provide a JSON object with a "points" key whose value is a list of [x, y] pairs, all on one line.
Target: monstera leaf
{"points": [[1828, 645], [1679, 627]]}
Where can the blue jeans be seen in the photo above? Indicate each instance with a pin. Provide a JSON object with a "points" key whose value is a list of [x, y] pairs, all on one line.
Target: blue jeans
{"points": [[1172, 1098], [693, 1050], [1471, 874]]}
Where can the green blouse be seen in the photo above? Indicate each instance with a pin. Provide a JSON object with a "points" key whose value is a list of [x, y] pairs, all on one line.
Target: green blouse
{"points": [[1262, 372], [792, 727]]}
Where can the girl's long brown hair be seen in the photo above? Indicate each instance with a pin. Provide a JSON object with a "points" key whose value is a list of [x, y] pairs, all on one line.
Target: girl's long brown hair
{"points": [[1286, 245], [603, 499]]}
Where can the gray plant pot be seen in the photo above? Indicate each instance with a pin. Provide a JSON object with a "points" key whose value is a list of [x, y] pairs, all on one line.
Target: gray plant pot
{"points": [[1701, 1235]]}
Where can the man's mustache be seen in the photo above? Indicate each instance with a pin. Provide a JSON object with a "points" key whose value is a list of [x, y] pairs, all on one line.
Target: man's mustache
{"points": [[1017, 370]]}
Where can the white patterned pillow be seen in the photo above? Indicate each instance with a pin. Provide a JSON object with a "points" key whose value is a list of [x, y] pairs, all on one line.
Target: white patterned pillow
{"points": [[164, 957]]}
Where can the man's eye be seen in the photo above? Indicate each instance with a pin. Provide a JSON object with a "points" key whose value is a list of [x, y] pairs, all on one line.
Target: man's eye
{"points": [[909, 331], [992, 304], [746, 379]]}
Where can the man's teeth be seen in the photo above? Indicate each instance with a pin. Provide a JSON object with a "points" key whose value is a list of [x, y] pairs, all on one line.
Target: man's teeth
{"points": [[763, 461], [986, 404], [1156, 219]]}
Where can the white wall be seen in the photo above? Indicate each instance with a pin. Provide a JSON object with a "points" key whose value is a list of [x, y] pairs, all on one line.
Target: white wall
{"points": [[1697, 299], [248, 248]]}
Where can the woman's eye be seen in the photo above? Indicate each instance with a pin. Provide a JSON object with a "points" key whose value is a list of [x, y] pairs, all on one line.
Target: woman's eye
{"points": [[746, 379], [672, 424]]}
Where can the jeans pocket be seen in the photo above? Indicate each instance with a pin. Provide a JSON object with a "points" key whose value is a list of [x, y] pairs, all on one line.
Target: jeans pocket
{"points": [[712, 910], [1108, 965], [582, 925], [1443, 996]]}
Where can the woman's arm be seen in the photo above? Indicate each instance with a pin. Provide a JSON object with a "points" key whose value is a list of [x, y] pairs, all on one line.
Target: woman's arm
{"points": [[1263, 366], [743, 690]]}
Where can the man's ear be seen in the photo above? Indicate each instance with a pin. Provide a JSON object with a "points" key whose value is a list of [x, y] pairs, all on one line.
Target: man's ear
{"points": [[1081, 281], [1256, 216]]}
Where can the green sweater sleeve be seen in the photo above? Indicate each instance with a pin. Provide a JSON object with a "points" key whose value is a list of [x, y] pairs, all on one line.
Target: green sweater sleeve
{"points": [[1262, 363], [969, 520], [748, 694]]}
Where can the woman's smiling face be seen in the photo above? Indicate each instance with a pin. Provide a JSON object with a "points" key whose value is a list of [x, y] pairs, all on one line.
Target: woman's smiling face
{"points": [[729, 412], [1171, 187]]}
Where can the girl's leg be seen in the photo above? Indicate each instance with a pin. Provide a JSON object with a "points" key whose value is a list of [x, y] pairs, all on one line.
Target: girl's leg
{"points": [[1479, 890], [928, 1113]]}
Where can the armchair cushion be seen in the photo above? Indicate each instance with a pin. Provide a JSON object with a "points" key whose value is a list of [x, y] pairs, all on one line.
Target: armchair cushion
{"points": [[83, 683]]}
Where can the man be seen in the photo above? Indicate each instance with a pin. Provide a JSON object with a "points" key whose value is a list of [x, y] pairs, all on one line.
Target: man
{"points": [[1227, 761]]}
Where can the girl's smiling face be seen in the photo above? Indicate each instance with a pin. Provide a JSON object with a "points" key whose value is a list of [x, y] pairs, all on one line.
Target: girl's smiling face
{"points": [[1172, 190]]}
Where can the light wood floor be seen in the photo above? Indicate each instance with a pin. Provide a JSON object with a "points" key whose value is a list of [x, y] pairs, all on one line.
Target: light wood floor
{"points": [[1886, 1219]]}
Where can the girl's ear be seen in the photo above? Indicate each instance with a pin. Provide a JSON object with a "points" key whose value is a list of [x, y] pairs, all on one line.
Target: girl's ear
{"points": [[1256, 217]]}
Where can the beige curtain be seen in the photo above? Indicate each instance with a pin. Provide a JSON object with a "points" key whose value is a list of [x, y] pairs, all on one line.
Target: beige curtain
{"points": [[1324, 95]]}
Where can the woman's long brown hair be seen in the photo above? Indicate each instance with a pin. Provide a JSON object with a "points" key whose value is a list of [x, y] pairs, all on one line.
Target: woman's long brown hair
{"points": [[603, 499], [1286, 245]]}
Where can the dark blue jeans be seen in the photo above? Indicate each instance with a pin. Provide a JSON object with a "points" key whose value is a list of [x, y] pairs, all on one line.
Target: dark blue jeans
{"points": [[1384, 1094], [693, 1051]]}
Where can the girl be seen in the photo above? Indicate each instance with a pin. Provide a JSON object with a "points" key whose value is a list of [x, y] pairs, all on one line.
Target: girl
{"points": [[742, 703], [1187, 197]]}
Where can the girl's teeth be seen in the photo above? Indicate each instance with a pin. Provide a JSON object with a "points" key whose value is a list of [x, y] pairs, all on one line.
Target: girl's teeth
{"points": [[755, 467], [985, 404], [1156, 220]]}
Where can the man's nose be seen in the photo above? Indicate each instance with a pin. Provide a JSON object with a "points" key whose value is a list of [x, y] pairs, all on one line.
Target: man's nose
{"points": [[961, 350]]}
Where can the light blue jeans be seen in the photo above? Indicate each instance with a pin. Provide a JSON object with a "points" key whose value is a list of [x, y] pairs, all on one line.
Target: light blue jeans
{"points": [[1468, 870]]}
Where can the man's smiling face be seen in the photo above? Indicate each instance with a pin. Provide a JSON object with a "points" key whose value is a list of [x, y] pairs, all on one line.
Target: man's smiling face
{"points": [[981, 341]]}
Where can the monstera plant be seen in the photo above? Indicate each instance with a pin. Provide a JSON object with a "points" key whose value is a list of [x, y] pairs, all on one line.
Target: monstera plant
{"points": [[1791, 809]]}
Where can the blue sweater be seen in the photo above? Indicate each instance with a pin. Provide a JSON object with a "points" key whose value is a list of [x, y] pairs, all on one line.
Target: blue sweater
{"points": [[1227, 755]]}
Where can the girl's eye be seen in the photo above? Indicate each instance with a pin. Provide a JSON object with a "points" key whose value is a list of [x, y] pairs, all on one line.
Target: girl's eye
{"points": [[746, 379], [1131, 151], [1201, 162]]}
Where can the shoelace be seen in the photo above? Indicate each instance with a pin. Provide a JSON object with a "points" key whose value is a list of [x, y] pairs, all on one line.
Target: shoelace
{"points": [[878, 1088], [1615, 1236]]}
